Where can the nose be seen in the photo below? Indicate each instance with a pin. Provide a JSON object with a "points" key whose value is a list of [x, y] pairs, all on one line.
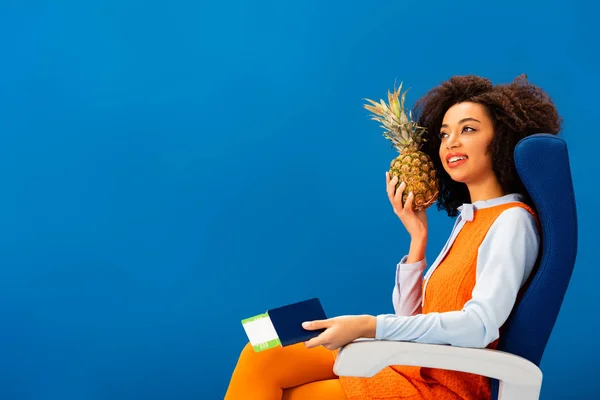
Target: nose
{"points": [[452, 141]]}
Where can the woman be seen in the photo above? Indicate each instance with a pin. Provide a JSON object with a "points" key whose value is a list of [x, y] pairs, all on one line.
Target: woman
{"points": [[469, 291]]}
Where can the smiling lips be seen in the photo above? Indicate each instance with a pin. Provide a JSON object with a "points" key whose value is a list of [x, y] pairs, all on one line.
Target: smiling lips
{"points": [[456, 159]]}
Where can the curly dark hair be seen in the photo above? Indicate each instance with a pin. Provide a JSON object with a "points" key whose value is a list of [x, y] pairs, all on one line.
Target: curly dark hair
{"points": [[517, 110]]}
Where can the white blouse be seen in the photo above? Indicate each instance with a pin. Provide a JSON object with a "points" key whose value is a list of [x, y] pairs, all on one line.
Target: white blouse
{"points": [[505, 260]]}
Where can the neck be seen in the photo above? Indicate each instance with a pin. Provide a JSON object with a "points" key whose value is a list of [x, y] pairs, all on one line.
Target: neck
{"points": [[485, 190]]}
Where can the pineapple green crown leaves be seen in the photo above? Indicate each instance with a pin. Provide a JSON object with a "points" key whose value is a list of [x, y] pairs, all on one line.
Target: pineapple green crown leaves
{"points": [[399, 128]]}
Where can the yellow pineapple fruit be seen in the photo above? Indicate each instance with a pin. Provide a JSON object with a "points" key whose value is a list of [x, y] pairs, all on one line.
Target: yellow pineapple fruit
{"points": [[412, 166]]}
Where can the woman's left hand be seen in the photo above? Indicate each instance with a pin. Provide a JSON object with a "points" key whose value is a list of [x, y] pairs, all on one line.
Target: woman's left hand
{"points": [[340, 331]]}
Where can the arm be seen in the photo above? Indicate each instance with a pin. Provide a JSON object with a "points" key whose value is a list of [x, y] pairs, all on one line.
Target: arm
{"points": [[407, 295], [408, 288], [506, 257]]}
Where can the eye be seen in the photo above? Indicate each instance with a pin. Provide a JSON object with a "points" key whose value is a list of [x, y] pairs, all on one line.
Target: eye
{"points": [[468, 129], [443, 135]]}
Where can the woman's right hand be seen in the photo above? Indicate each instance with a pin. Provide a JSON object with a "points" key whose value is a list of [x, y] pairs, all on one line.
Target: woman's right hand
{"points": [[415, 222]]}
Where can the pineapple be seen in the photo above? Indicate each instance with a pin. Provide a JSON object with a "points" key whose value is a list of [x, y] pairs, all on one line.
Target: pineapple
{"points": [[412, 166]]}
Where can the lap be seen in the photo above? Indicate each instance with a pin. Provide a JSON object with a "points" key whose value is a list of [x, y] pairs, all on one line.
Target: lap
{"points": [[286, 367], [330, 389]]}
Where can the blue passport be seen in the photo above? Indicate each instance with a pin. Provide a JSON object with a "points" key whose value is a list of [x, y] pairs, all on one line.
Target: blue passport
{"points": [[282, 326]]}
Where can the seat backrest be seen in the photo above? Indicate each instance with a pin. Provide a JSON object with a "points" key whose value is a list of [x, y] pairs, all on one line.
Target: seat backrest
{"points": [[542, 161]]}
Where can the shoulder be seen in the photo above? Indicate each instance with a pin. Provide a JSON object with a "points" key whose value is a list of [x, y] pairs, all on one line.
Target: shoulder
{"points": [[517, 213], [517, 222], [513, 240]]}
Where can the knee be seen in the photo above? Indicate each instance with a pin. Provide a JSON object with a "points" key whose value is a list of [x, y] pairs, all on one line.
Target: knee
{"points": [[261, 363], [250, 361], [247, 353]]}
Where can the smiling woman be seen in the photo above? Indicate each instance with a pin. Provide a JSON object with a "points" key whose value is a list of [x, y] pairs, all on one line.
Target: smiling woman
{"points": [[505, 114], [466, 134], [469, 291]]}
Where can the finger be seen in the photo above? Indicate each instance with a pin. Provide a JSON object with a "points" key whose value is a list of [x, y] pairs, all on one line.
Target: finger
{"points": [[331, 346], [318, 324], [398, 196], [409, 202], [322, 339], [314, 342], [391, 188]]}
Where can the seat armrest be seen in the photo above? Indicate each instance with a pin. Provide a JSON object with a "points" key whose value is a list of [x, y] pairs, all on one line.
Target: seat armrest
{"points": [[519, 378]]}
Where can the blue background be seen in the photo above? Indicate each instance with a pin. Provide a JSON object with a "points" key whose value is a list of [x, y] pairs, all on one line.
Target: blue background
{"points": [[170, 168]]}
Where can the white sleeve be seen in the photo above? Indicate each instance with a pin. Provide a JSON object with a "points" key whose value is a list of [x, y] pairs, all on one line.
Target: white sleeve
{"points": [[505, 260], [408, 288]]}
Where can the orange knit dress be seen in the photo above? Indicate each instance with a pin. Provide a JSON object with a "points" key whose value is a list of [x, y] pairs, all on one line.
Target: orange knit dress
{"points": [[448, 289]]}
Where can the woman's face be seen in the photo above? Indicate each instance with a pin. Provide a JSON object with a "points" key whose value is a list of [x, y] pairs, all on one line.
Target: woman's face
{"points": [[466, 134]]}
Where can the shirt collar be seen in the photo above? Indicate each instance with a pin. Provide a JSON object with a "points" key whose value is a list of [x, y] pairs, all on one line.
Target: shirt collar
{"points": [[467, 210]]}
